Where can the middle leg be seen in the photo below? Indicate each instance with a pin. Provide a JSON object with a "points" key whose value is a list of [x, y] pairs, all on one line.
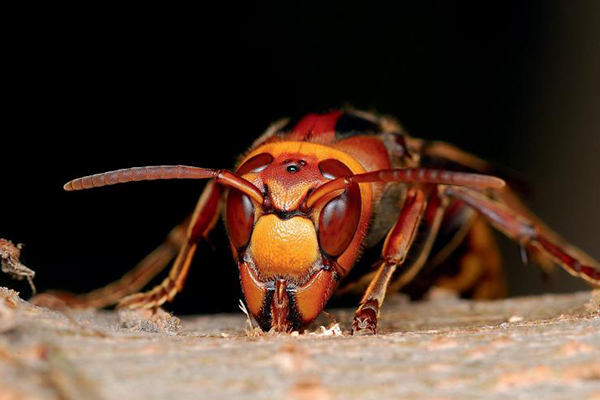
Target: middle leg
{"points": [[418, 209]]}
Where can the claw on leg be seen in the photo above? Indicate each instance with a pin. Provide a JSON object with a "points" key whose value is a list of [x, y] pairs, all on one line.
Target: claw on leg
{"points": [[394, 253], [365, 319]]}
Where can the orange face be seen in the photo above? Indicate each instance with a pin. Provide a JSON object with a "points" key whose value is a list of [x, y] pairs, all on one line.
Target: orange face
{"points": [[291, 257]]}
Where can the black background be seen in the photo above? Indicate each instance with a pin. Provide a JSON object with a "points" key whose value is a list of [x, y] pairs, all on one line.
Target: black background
{"points": [[90, 90]]}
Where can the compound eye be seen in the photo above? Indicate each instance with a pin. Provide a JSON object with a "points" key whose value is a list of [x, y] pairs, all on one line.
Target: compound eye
{"points": [[239, 212], [239, 217], [339, 218]]}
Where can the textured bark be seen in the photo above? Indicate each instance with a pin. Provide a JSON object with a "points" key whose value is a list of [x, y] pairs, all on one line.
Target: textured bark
{"points": [[524, 348]]}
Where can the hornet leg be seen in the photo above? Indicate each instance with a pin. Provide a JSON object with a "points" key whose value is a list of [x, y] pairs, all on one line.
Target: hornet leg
{"points": [[203, 220], [418, 210], [529, 234], [131, 282]]}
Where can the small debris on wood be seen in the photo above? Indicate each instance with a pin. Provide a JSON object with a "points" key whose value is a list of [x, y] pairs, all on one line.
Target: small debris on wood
{"points": [[514, 319], [11, 265], [149, 321], [332, 330], [8, 319], [593, 306], [251, 331]]}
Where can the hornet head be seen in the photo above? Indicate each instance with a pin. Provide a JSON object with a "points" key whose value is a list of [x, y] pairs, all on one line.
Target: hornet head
{"points": [[291, 250]]}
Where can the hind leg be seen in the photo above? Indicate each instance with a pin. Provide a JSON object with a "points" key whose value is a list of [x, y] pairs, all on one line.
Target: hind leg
{"points": [[133, 281], [480, 273], [445, 155], [530, 235], [181, 240]]}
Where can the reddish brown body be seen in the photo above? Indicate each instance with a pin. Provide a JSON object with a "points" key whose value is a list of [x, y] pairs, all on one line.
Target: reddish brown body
{"points": [[312, 194]]}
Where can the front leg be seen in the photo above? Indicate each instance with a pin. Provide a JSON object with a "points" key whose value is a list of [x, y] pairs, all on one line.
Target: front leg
{"points": [[203, 220], [394, 252]]}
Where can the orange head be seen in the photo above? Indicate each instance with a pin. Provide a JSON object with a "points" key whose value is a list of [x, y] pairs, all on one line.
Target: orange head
{"points": [[291, 256]]}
